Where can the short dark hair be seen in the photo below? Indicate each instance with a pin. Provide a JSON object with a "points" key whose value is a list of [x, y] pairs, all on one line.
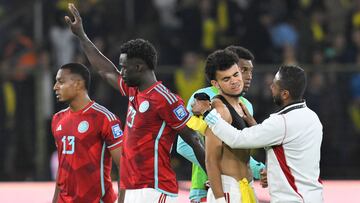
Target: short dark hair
{"points": [[219, 60], [241, 52], [81, 70], [142, 49], [293, 79]]}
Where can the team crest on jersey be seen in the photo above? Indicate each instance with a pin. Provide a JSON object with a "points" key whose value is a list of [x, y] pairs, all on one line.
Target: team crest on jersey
{"points": [[144, 106], [116, 130], [180, 112], [83, 126]]}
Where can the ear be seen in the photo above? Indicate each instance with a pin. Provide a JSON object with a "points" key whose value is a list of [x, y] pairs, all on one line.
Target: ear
{"points": [[215, 84], [285, 94], [79, 84], [140, 67]]}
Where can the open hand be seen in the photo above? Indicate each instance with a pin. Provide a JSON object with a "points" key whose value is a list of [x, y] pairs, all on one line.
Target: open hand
{"points": [[76, 26], [200, 106], [248, 118]]}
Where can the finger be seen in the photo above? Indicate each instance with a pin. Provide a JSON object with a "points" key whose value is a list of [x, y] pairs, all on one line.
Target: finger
{"points": [[244, 109], [67, 20], [75, 11]]}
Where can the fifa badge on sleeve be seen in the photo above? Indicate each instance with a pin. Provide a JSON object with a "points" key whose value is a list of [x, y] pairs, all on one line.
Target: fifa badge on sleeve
{"points": [[180, 112], [116, 130]]}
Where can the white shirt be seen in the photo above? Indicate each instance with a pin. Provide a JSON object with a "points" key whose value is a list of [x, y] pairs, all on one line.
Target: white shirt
{"points": [[292, 139]]}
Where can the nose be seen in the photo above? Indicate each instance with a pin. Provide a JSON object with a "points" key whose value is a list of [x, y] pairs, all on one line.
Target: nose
{"points": [[248, 75], [55, 86]]}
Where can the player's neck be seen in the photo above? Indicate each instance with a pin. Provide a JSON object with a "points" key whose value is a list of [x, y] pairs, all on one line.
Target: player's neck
{"points": [[147, 81], [80, 102], [233, 101]]}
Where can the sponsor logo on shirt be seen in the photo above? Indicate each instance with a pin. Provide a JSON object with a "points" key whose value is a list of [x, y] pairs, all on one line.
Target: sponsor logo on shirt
{"points": [[83, 126], [116, 130], [180, 112], [144, 106], [59, 128]]}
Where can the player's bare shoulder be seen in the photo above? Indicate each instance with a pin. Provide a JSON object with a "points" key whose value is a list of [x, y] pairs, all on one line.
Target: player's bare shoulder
{"points": [[220, 107]]}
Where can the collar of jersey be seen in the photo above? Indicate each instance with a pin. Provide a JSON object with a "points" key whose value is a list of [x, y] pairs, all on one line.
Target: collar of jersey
{"points": [[83, 109], [295, 105], [146, 91]]}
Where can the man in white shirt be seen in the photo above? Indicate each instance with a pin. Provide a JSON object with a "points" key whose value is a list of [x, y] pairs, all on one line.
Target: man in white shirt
{"points": [[292, 139]]}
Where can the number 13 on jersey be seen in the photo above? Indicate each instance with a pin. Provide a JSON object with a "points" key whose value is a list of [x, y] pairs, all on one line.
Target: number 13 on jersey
{"points": [[68, 144]]}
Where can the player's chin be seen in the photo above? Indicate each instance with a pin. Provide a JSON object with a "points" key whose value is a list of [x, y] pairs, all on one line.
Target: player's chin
{"points": [[246, 89]]}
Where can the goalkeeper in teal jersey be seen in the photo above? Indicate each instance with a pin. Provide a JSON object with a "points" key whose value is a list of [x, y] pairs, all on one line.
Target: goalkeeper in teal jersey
{"points": [[199, 178]]}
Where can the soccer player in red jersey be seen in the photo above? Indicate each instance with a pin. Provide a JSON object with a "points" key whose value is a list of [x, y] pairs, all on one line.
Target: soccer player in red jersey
{"points": [[87, 137], [155, 117]]}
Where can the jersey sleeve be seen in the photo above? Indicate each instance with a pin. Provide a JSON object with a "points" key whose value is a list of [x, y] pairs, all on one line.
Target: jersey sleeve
{"points": [[124, 89], [173, 111], [53, 126], [112, 133]]}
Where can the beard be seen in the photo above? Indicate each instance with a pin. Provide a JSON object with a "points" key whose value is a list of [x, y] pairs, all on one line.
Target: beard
{"points": [[277, 100], [231, 94]]}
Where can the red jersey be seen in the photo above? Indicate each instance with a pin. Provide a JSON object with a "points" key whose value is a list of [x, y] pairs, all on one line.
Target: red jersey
{"points": [[84, 139], [154, 117]]}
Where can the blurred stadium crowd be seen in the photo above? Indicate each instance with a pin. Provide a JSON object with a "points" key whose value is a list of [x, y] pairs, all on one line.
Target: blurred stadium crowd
{"points": [[323, 36]]}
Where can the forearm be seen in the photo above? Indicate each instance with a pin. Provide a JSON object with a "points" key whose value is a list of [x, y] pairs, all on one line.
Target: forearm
{"points": [[193, 139], [214, 175], [199, 151], [102, 65], [121, 197], [56, 194], [270, 132]]}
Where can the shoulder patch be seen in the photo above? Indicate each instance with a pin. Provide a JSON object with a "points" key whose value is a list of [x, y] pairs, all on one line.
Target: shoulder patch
{"points": [[116, 130], [180, 112]]}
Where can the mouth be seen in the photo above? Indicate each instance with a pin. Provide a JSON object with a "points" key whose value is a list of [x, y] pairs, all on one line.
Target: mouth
{"points": [[236, 87], [57, 96]]}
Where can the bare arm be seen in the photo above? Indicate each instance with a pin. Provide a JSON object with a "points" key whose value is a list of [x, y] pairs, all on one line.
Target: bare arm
{"points": [[116, 155], [213, 156], [214, 150], [103, 66], [192, 138], [57, 190]]}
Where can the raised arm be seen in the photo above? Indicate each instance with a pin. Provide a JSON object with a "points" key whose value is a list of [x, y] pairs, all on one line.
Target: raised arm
{"points": [[103, 66]]}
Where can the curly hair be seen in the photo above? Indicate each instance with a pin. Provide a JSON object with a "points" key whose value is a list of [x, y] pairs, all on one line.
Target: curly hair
{"points": [[142, 49], [219, 60], [241, 52]]}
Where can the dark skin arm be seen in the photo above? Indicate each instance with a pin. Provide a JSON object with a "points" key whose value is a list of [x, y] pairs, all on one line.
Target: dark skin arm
{"points": [[103, 66], [57, 190], [192, 138], [116, 155]]}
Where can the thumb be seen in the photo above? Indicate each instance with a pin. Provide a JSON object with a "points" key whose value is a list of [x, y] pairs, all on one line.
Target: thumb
{"points": [[68, 20]]}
